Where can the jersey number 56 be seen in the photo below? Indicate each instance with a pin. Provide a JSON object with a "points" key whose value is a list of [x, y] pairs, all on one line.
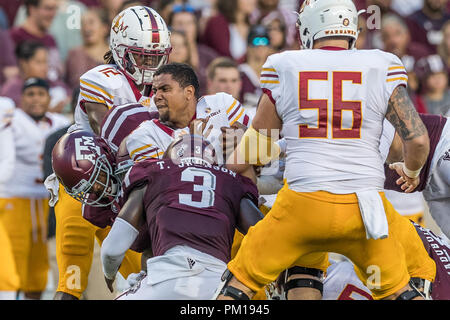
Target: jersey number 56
{"points": [[338, 105]]}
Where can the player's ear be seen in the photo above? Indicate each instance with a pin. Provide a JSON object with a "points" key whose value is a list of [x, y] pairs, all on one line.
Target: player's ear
{"points": [[189, 92]]}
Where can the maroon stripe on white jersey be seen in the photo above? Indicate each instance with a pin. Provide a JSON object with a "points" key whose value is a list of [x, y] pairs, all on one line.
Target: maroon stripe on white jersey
{"points": [[120, 121], [234, 112], [396, 73], [96, 94]]}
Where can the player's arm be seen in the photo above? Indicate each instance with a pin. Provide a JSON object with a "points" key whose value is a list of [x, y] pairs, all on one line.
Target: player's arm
{"points": [[249, 215], [413, 134], [95, 112], [258, 145], [395, 150], [123, 233]]}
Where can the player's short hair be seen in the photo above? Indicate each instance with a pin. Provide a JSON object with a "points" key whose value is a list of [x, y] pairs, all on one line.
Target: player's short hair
{"points": [[182, 73], [220, 62]]}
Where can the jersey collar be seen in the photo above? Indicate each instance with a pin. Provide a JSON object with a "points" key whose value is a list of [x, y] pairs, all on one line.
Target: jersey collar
{"points": [[331, 48], [137, 93]]}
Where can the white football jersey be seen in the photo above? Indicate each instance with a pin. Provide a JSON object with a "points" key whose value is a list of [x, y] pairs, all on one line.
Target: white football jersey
{"points": [[151, 138], [342, 283], [29, 140], [105, 84], [7, 151], [332, 104]]}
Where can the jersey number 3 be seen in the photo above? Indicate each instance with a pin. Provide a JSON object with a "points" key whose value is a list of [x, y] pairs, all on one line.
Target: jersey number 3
{"points": [[338, 106], [206, 188]]}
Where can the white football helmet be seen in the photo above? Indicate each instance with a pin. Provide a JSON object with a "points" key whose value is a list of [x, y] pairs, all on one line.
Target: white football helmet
{"points": [[140, 43], [327, 18]]}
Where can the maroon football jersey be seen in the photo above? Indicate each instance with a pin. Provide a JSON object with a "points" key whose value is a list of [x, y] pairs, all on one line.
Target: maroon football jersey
{"points": [[120, 121], [434, 124], [439, 251], [193, 205]]}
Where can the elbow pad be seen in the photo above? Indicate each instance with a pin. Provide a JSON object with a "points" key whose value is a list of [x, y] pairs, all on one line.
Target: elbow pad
{"points": [[257, 149]]}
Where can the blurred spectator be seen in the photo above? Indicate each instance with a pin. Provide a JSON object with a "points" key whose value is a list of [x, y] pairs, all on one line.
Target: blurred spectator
{"points": [[180, 48], [397, 40], [112, 7], [406, 7], [224, 76], [373, 36], [164, 8], [95, 30], [433, 74], [258, 50], [183, 18], [268, 10], [40, 14], [33, 62], [426, 24], [65, 27], [8, 62], [227, 31], [276, 26], [444, 47]]}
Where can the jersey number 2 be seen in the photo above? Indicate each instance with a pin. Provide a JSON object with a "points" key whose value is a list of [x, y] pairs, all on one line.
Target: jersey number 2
{"points": [[206, 188], [338, 105]]}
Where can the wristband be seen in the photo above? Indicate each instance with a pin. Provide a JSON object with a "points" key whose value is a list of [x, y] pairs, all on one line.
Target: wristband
{"points": [[411, 173]]}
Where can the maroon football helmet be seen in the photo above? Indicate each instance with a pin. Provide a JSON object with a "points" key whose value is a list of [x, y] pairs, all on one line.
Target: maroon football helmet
{"points": [[83, 162], [191, 148]]}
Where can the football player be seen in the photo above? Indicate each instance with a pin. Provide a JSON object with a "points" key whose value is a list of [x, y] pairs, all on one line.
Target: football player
{"points": [[191, 207], [139, 43], [24, 199], [176, 95], [435, 175], [9, 279], [331, 115]]}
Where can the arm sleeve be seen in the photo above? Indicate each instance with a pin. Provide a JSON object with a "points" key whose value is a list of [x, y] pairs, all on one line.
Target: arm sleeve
{"points": [[270, 80], [235, 111], [141, 145], [95, 89], [396, 75], [118, 241]]}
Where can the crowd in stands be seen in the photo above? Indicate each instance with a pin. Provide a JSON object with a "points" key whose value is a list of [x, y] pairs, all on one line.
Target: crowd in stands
{"points": [[226, 41]]}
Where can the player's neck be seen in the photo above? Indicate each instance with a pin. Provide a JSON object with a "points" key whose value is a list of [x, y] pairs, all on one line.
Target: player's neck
{"points": [[338, 43], [186, 117]]}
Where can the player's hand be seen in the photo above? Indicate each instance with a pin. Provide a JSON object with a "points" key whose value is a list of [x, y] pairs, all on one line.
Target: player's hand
{"points": [[198, 126], [135, 278], [407, 184], [231, 136], [109, 283]]}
